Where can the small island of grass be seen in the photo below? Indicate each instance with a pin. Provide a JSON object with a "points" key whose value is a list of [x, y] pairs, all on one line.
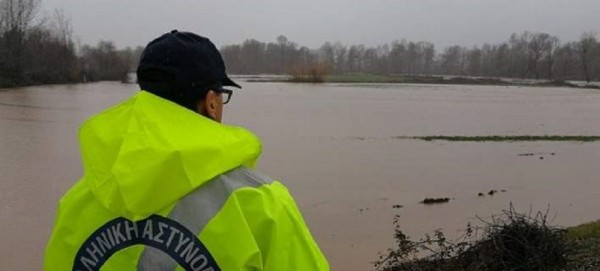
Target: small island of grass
{"points": [[502, 138]]}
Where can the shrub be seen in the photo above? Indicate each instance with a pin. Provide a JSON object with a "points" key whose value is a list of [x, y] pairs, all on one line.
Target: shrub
{"points": [[511, 241], [314, 73]]}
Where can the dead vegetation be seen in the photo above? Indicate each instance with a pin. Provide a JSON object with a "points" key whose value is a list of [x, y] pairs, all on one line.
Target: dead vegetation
{"points": [[510, 241], [314, 73], [429, 201]]}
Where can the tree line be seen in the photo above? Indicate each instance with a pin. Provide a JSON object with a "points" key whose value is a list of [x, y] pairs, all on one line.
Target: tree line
{"points": [[40, 49], [526, 55]]}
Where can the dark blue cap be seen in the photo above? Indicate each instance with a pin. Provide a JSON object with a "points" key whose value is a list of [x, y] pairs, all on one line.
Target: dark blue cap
{"points": [[180, 66]]}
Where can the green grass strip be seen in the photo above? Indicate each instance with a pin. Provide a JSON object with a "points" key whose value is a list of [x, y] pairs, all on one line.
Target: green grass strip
{"points": [[497, 138], [585, 231]]}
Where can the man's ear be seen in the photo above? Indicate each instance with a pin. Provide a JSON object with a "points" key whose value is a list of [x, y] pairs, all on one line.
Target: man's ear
{"points": [[208, 106]]}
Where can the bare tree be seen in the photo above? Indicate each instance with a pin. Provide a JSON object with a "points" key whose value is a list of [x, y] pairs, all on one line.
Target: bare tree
{"points": [[553, 46], [519, 55], [252, 56], [587, 48], [453, 60], [397, 57], [428, 54], [501, 64], [232, 54], [282, 43], [538, 45], [340, 52], [17, 16], [370, 61], [2, 19], [104, 63], [474, 59], [355, 57], [62, 27], [327, 55], [567, 61]]}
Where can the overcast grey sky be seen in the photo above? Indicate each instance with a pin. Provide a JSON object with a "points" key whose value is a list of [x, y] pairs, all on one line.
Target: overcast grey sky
{"points": [[312, 22]]}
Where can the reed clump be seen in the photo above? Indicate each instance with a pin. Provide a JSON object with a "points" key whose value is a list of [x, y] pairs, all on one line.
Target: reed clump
{"points": [[314, 73]]}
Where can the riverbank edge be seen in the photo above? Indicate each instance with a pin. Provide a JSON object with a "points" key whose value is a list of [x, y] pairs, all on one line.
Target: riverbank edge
{"points": [[423, 79], [368, 79], [580, 246], [127, 80], [583, 246]]}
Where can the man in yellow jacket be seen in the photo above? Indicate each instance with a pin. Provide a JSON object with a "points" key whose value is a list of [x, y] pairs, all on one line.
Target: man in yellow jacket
{"points": [[166, 186]]}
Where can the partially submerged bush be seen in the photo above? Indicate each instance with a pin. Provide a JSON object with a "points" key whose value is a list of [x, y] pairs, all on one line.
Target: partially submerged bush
{"points": [[428, 201], [511, 241], [314, 73]]}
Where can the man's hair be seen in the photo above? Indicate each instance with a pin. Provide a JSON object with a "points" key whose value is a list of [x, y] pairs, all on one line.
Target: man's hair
{"points": [[180, 94]]}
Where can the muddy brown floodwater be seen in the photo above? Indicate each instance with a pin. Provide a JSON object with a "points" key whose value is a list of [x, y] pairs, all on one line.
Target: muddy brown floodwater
{"points": [[334, 147]]}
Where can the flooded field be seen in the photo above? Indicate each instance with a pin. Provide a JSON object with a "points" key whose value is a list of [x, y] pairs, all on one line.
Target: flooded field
{"points": [[336, 147]]}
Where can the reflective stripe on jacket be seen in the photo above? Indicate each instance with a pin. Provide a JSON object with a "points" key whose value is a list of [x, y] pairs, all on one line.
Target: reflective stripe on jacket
{"points": [[167, 189]]}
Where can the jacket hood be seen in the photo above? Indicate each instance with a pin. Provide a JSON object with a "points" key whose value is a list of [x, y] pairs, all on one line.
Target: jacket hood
{"points": [[144, 154]]}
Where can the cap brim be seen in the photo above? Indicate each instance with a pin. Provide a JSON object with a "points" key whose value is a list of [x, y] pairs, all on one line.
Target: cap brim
{"points": [[229, 82]]}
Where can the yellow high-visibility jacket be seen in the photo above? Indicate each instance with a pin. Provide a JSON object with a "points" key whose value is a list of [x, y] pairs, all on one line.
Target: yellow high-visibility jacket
{"points": [[167, 189]]}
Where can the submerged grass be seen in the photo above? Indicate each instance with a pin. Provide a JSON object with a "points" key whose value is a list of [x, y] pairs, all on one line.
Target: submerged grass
{"points": [[499, 138]]}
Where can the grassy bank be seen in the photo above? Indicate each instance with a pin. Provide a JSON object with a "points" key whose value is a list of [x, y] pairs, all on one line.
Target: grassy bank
{"points": [[583, 243], [499, 138], [511, 241]]}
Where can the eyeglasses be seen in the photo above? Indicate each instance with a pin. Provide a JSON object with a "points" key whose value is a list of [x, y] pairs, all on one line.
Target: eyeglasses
{"points": [[225, 91]]}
